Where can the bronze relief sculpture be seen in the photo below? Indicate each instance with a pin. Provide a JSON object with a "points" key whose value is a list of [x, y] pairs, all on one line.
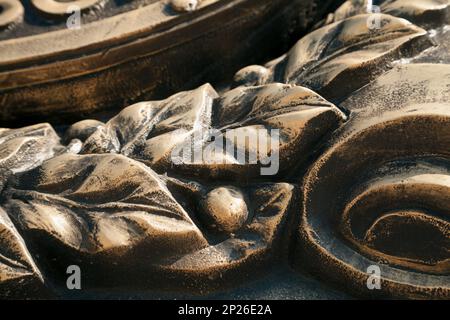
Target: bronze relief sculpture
{"points": [[350, 169]]}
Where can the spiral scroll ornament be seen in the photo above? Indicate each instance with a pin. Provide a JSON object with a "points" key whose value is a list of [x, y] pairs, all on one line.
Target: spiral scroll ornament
{"points": [[11, 11], [387, 204]]}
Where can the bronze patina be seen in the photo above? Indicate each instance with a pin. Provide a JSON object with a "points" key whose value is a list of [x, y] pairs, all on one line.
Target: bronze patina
{"points": [[361, 110]]}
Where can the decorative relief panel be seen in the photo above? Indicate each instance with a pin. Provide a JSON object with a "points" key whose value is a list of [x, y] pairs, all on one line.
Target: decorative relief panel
{"points": [[358, 123]]}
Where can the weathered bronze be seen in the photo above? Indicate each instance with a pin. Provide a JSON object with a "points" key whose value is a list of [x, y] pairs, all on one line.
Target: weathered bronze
{"points": [[127, 53], [361, 111]]}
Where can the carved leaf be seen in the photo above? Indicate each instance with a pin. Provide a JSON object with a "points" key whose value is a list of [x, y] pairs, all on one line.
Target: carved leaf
{"points": [[91, 204], [153, 132], [422, 12], [15, 260], [302, 117], [129, 130], [19, 276], [337, 59], [25, 148]]}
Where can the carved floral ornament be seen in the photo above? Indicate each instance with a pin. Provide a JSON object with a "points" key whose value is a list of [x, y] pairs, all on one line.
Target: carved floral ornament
{"points": [[363, 117]]}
